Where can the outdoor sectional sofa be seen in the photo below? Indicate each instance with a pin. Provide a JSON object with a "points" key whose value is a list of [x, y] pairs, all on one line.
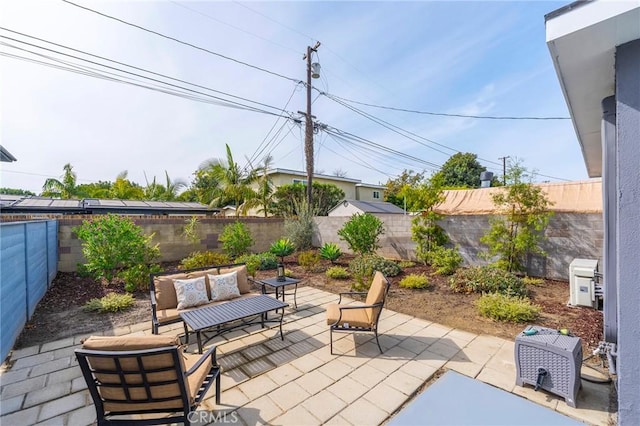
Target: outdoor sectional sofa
{"points": [[164, 300], [210, 301]]}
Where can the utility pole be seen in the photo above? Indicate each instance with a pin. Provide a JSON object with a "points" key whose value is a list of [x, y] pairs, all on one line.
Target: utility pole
{"points": [[504, 169], [308, 130]]}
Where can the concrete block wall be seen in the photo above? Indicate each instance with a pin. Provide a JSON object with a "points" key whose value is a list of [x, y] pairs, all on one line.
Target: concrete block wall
{"points": [[569, 236], [395, 242], [168, 233]]}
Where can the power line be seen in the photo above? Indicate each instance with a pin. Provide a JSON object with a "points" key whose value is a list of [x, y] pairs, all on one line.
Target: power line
{"points": [[233, 26], [277, 22], [123, 64], [400, 130], [259, 149], [394, 128], [313, 39], [378, 146], [182, 42], [442, 114], [238, 104]]}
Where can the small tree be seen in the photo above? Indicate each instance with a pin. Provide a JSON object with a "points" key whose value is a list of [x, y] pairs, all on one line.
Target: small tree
{"points": [[236, 239], [425, 231], [112, 244], [362, 233], [524, 215]]}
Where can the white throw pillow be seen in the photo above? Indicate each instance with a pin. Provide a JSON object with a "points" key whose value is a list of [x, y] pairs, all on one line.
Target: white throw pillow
{"points": [[191, 292], [224, 286]]}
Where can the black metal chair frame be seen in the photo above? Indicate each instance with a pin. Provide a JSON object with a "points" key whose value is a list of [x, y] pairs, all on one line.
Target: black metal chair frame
{"points": [[353, 329], [104, 418]]}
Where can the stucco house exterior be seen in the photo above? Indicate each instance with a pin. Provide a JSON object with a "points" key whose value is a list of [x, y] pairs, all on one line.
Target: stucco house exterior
{"points": [[353, 189], [595, 47]]}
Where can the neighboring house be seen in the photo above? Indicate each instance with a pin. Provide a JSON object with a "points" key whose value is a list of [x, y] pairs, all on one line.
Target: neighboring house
{"points": [[595, 47], [353, 189], [351, 207], [228, 211]]}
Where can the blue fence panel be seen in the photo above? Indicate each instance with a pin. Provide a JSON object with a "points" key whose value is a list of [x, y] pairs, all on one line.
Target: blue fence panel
{"points": [[52, 250], [13, 288], [36, 255], [28, 264]]}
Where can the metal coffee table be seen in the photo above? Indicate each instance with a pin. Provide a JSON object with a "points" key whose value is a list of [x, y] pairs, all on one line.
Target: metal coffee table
{"points": [[279, 287], [227, 316]]}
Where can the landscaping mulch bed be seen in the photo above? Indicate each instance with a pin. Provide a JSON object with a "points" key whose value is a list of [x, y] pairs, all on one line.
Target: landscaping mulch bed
{"points": [[60, 312]]}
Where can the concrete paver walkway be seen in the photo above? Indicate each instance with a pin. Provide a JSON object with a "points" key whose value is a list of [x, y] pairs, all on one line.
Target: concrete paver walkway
{"points": [[296, 381]]}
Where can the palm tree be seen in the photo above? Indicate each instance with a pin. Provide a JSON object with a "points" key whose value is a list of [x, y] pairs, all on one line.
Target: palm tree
{"points": [[124, 189], [66, 188], [169, 192], [234, 182], [172, 188], [265, 187]]}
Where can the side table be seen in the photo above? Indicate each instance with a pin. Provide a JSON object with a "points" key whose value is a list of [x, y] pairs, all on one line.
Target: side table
{"points": [[280, 286]]}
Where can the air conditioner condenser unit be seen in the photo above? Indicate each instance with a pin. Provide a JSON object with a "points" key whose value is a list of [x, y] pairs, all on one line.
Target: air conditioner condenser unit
{"points": [[584, 283]]}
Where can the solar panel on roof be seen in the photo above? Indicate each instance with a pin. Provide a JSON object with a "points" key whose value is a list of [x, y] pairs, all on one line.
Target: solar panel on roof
{"points": [[156, 204], [111, 203], [134, 203], [64, 203], [35, 202]]}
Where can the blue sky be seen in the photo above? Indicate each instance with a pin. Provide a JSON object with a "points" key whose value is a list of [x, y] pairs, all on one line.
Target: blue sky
{"points": [[470, 58]]}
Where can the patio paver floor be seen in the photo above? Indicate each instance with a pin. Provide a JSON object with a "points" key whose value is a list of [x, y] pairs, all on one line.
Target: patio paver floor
{"points": [[296, 381]]}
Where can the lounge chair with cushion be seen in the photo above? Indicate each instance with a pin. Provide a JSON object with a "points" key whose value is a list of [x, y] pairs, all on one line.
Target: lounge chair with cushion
{"points": [[359, 317], [145, 375]]}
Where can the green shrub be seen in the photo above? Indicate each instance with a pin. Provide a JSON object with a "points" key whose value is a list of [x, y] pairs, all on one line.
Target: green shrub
{"points": [[201, 259], [507, 308], [445, 260], [363, 267], [388, 267], [487, 279], [415, 281], [309, 260], [252, 261], [268, 261], [406, 264], [533, 281], [112, 302], [281, 248], [361, 233], [112, 243], [330, 251], [337, 273], [137, 277], [236, 239]]}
